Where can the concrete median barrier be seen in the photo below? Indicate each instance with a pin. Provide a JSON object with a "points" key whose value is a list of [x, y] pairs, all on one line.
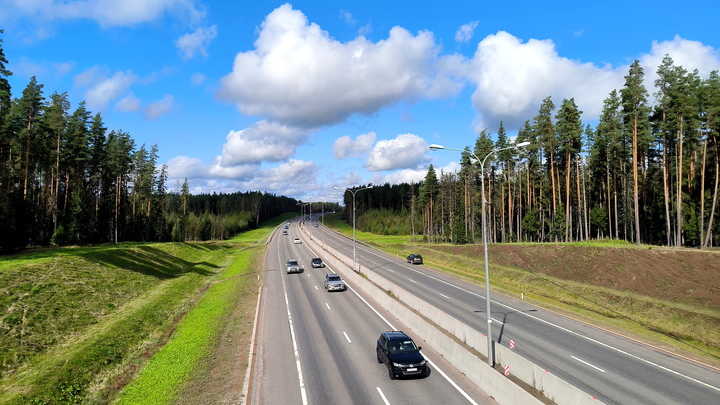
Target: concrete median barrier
{"points": [[403, 305]]}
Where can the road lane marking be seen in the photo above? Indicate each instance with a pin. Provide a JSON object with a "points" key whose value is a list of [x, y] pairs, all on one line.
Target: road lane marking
{"points": [[347, 337], [328, 306], [588, 364], [412, 280], [382, 396], [457, 387], [442, 373], [444, 296], [303, 394]]}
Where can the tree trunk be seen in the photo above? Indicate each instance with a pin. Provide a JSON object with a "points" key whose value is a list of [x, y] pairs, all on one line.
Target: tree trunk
{"points": [[636, 194], [678, 208], [567, 197], [715, 196], [701, 222]]}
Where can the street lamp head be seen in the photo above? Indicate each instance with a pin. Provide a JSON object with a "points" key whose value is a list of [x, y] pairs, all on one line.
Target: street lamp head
{"points": [[523, 144], [436, 147]]}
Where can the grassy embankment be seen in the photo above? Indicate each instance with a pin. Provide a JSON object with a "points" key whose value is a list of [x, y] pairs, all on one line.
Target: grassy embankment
{"points": [[80, 324], [677, 326]]}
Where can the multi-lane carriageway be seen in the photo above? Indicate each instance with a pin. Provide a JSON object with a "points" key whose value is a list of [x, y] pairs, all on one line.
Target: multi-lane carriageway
{"points": [[318, 348]]}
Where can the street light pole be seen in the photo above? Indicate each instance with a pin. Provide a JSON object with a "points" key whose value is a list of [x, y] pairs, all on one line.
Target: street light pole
{"points": [[353, 192], [484, 231]]}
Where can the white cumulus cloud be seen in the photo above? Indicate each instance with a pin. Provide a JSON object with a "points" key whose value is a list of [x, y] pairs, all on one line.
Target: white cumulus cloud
{"points": [[689, 54], [106, 90], [345, 146], [293, 177], [298, 74], [406, 151], [264, 141], [513, 78]]}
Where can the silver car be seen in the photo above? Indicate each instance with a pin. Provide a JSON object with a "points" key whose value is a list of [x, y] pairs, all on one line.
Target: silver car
{"points": [[292, 266], [333, 282]]}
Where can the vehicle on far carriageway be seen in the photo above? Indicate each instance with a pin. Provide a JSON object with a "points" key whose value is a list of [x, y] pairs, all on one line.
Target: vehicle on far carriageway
{"points": [[415, 259]]}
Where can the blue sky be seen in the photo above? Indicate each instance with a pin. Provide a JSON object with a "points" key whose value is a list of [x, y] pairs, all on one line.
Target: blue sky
{"points": [[298, 98]]}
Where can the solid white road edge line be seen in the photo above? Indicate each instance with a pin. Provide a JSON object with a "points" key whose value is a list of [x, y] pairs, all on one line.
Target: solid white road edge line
{"points": [[303, 394]]}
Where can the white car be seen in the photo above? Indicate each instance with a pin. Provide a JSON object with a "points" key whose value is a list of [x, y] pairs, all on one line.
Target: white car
{"points": [[297, 240]]}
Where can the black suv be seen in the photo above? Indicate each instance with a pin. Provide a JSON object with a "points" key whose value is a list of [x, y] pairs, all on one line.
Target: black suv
{"points": [[414, 259], [400, 355]]}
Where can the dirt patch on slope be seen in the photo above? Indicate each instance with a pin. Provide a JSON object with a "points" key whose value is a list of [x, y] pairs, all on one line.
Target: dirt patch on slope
{"points": [[687, 276]]}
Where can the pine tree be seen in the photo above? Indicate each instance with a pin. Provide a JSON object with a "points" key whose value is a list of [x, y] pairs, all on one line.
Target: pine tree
{"points": [[636, 116], [569, 130], [428, 194]]}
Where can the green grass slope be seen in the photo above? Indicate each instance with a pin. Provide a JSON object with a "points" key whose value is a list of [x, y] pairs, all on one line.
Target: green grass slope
{"points": [[77, 325]]}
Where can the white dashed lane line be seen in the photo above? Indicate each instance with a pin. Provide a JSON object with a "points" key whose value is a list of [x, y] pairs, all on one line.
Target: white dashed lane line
{"points": [[588, 364]]}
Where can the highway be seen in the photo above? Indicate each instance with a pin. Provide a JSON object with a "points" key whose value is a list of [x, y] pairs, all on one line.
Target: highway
{"points": [[316, 347], [615, 369]]}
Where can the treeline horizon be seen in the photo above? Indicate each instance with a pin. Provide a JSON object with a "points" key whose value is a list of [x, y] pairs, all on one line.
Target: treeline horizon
{"points": [[66, 180], [646, 174]]}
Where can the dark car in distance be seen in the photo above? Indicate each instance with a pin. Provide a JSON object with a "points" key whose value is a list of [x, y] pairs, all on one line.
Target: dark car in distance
{"points": [[400, 355], [317, 262], [414, 259]]}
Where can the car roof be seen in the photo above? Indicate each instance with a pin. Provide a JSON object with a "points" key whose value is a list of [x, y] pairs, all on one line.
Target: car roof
{"points": [[396, 335]]}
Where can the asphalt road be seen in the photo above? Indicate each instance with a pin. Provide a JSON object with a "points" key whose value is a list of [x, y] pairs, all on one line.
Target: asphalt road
{"points": [[316, 347], [615, 369]]}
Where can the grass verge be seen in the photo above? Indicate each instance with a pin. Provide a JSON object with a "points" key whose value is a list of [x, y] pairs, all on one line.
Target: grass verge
{"points": [[77, 325], [161, 379]]}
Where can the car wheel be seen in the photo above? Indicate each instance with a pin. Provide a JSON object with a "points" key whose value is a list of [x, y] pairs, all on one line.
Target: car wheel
{"points": [[425, 372], [391, 374], [377, 354]]}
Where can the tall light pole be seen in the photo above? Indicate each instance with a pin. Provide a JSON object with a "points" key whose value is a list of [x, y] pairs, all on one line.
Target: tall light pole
{"points": [[484, 231], [353, 192]]}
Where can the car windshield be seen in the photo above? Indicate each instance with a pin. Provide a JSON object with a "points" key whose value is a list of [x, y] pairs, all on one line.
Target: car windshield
{"points": [[334, 278], [292, 262], [402, 346]]}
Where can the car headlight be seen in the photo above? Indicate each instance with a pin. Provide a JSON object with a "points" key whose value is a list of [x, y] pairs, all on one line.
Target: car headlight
{"points": [[422, 363], [397, 365]]}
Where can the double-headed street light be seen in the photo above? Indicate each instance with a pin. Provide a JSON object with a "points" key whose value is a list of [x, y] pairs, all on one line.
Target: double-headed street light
{"points": [[353, 192], [484, 230]]}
